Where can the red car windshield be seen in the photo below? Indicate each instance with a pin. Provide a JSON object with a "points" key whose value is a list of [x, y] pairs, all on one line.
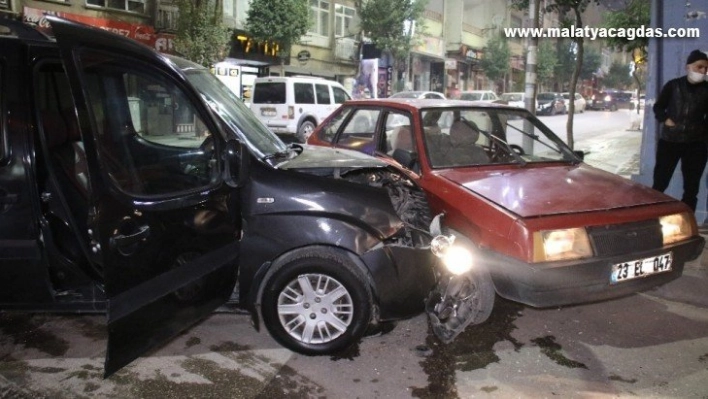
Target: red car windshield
{"points": [[481, 136]]}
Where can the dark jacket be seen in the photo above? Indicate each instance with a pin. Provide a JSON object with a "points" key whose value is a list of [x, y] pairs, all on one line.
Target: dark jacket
{"points": [[687, 105]]}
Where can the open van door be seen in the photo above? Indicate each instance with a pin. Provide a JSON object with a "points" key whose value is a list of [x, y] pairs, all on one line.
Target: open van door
{"points": [[158, 212]]}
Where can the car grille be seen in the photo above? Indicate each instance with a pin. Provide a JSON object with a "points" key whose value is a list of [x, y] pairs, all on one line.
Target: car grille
{"points": [[626, 238]]}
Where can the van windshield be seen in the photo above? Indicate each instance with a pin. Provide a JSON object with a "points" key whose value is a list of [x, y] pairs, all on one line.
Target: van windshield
{"points": [[235, 114]]}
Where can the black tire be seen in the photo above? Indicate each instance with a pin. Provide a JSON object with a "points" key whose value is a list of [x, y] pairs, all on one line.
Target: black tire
{"points": [[305, 130], [335, 324]]}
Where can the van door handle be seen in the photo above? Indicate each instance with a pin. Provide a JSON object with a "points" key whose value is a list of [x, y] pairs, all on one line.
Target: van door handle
{"points": [[124, 240]]}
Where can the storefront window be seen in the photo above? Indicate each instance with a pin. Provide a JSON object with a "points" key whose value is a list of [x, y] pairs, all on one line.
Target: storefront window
{"points": [[137, 6], [319, 17]]}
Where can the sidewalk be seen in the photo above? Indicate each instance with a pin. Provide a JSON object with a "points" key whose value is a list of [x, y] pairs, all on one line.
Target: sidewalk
{"points": [[618, 152], [692, 286]]}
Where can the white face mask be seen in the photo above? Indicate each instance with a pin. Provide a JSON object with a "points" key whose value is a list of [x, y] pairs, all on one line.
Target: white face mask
{"points": [[695, 77]]}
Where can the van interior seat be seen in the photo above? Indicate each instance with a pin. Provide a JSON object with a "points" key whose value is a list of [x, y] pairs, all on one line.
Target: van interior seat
{"points": [[67, 159], [66, 148]]}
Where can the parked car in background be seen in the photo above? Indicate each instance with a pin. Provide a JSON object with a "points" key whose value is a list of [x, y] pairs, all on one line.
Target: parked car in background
{"points": [[479, 95], [545, 228], [604, 101], [514, 99], [623, 99], [419, 94], [136, 184], [292, 106], [550, 103], [579, 102]]}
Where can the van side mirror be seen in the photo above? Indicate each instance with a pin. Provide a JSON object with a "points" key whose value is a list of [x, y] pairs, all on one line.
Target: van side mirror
{"points": [[236, 162], [579, 154]]}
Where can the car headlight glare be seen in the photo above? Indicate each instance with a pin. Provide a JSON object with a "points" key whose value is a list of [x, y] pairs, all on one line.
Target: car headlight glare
{"points": [[677, 227], [608, 98], [457, 259], [565, 244]]}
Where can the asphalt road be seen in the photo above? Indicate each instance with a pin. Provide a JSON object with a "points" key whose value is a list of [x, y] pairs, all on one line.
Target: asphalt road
{"points": [[639, 346]]}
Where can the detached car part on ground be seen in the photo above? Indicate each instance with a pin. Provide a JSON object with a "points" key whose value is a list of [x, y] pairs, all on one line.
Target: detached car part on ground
{"points": [[544, 229], [138, 185]]}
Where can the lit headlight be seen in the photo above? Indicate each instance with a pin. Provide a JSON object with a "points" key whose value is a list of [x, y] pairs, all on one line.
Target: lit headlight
{"points": [[564, 244], [677, 227], [456, 258], [608, 98]]}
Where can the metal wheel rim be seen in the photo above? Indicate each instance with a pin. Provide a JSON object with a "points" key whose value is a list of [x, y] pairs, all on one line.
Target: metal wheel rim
{"points": [[315, 308], [307, 130]]}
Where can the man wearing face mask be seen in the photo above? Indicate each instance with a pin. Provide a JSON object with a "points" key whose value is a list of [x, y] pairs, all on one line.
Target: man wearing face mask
{"points": [[682, 109]]}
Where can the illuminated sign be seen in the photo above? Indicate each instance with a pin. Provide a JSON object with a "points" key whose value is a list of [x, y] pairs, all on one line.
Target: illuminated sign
{"points": [[245, 47]]}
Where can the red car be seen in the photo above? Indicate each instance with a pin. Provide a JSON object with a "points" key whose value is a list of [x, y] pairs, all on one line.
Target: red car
{"points": [[546, 229]]}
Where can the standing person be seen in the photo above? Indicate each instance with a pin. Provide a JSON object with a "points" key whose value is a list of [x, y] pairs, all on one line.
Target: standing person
{"points": [[682, 109]]}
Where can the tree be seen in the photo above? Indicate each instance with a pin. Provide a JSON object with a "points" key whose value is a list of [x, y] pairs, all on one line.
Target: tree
{"points": [[576, 7], [201, 35], [566, 51], [391, 25], [495, 62], [547, 60], [278, 22], [591, 63], [635, 14], [618, 76]]}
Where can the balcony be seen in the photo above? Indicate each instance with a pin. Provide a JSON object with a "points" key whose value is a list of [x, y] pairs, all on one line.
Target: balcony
{"points": [[346, 49]]}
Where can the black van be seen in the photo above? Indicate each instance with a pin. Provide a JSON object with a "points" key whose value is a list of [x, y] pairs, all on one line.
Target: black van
{"points": [[136, 184]]}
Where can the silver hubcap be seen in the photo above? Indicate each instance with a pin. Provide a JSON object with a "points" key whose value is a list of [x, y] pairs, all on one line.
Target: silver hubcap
{"points": [[315, 308], [307, 130]]}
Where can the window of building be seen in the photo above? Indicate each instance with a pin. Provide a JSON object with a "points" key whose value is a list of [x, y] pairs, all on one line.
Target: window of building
{"points": [[4, 4], [343, 17], [137, 6], [167, 16], [319, 17]]}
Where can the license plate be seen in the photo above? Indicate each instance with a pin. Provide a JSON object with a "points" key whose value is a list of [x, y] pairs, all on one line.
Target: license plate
{"points": [[268, 112], [640, 268]]}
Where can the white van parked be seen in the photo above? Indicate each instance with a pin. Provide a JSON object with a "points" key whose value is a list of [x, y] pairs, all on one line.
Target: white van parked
{"points": [[294, 105]]}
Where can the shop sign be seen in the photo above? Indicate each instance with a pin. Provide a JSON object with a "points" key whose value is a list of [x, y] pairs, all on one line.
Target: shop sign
{"points": [[470, 54], [222, 71], [142, 33], [303, 56], [450, 64]]}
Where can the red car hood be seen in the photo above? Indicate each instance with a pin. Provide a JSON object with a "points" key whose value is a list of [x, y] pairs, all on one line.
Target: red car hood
{"points": [[552, 190]]}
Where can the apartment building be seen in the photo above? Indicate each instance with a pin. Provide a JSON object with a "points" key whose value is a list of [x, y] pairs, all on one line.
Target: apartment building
{"points": [[445, 54]]}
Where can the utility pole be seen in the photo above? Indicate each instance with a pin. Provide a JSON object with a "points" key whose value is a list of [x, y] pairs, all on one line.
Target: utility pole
{"points": [[530, 84]]}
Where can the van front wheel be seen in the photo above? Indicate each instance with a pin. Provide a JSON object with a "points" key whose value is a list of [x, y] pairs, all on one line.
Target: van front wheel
{"points": [[305, 130], [316, 302]]}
